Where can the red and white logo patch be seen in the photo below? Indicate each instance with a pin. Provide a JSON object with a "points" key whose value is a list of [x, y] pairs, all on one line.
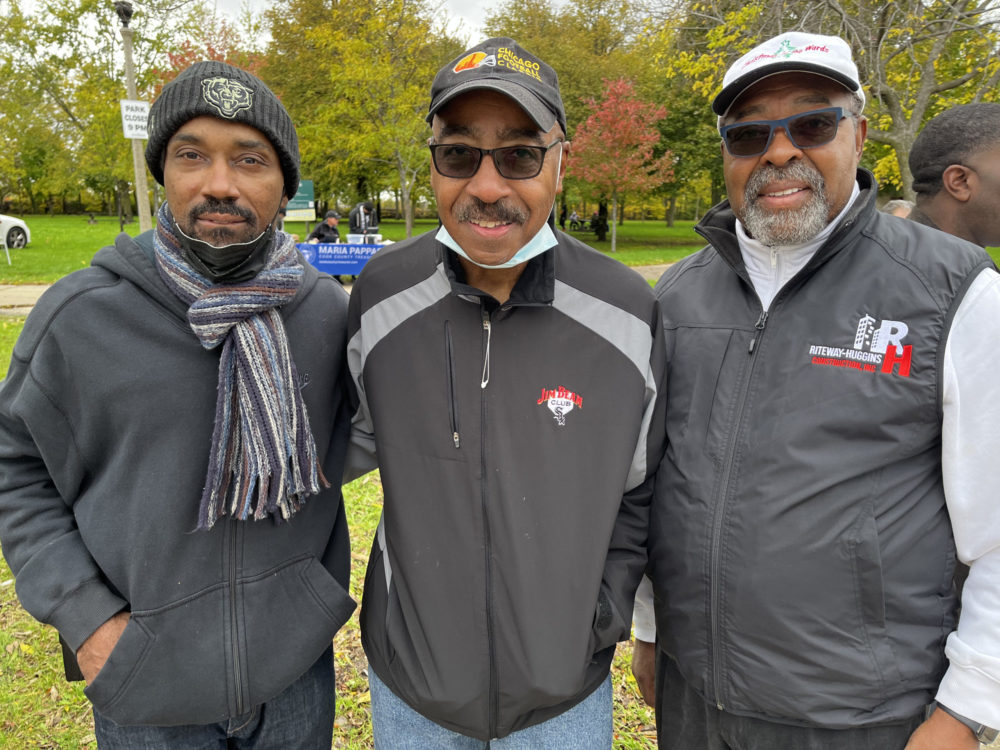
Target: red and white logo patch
{"points": [[878, 349], [561, 401]]}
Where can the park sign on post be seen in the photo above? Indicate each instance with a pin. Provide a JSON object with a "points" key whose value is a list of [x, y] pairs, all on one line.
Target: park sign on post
{"points": [[134, 117], [302, 206]]}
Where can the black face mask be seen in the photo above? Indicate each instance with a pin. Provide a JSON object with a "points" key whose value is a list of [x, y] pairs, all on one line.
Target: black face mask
{"points": [[234, 263]]}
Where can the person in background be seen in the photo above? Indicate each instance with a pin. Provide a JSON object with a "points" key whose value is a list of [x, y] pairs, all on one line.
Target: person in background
{"points": [[167, 425], [898, 207], [955, 163], [361, 219], [832, 444], [516, 452], [326, 230]]}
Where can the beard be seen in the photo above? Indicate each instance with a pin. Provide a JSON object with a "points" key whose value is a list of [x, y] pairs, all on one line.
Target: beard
{"points": [[786, 227], [221, 236]]}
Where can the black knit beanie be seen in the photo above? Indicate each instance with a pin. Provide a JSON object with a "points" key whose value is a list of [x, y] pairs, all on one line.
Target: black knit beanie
{"points": [[219, 90]]}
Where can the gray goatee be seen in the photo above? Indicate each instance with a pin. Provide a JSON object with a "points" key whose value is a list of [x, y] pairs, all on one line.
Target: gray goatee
{"points": [[786, 227]]}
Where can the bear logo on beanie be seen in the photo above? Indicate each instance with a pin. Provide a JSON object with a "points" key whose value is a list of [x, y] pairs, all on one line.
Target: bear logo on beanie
{"points": [[229, 97]]}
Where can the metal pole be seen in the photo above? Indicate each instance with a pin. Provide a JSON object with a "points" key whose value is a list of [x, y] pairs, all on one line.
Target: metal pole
{"points": [[138, 161]]}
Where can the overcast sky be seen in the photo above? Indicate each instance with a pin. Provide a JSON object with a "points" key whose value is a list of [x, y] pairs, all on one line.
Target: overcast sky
{"points": [[469, 12]]}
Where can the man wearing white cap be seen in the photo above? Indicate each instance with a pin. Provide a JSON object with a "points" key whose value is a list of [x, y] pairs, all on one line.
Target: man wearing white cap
{"points": [[831, 431]]}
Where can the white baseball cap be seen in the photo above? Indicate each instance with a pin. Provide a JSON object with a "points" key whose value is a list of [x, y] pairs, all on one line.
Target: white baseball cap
{"points": [[791, 52]]}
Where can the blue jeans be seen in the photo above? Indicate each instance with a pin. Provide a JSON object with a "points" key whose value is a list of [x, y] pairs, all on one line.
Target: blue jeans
{"points": [[396, 726], [298, 718]]}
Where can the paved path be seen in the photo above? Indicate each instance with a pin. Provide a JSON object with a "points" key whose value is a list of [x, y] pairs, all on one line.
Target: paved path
{"points": [[652, 273], [18, 299]]}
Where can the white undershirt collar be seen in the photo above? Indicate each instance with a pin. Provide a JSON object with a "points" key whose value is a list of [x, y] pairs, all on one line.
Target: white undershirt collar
{"points": [[770, 268]]}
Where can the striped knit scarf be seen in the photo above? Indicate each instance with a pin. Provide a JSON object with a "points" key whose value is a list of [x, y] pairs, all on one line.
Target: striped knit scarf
{"points": [[262, 444]]}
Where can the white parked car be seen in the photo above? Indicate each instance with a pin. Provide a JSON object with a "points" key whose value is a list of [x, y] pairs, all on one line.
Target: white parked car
{"points": [[15, 231]]}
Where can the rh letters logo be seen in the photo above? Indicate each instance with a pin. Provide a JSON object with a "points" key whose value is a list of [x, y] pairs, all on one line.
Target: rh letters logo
{"points": [[876, 349]]}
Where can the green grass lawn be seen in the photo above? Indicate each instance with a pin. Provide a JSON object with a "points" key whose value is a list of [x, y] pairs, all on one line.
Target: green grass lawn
{"points": [[61, 244], [39, 709]]}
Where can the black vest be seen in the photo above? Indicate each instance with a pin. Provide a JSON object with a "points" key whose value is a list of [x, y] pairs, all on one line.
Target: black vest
{"points": [[800, 545]]}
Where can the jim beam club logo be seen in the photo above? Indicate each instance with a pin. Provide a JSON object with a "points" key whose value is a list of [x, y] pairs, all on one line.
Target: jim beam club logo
{"points": [[229, 97], [876, 349], [560, 402]]}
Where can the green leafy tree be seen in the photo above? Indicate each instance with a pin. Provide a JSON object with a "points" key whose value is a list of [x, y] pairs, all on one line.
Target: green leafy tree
{"points": [[360, 106], [915, 58], [64, 61], [585, 41]]}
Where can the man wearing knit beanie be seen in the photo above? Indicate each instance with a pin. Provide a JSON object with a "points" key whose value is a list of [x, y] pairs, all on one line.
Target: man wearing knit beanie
{"points": [[164, 501]]}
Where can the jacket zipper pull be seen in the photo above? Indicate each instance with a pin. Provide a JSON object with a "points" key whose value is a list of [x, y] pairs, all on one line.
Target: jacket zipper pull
{"points": [[452, 405], [759, 325], [485, 380]]}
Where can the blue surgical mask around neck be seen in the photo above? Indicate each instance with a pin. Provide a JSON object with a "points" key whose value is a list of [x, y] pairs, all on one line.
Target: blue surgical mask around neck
{"points": [[543, 240]]}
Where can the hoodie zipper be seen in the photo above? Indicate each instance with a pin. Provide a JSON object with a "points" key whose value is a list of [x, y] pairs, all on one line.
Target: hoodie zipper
{"points": [[452, 405], [487, 537], [234, 525], [715, 592]]}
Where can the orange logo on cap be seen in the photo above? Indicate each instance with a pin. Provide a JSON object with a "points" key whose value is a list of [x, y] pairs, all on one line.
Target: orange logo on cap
{"points": [[469, 62]]}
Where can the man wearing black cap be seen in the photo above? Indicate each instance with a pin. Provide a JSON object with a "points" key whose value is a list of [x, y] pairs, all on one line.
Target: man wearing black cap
{"points": [[955, 163], [508, 379], [831, 425], [326, 230], [164, 501]]}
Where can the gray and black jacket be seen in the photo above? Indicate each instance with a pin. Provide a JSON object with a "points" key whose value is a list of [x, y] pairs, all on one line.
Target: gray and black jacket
{"points": [[800, 546], [105, 426], [515, 443]]}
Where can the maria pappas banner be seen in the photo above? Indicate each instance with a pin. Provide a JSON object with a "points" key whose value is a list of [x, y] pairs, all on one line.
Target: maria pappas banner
{"points": [[338, 259]]}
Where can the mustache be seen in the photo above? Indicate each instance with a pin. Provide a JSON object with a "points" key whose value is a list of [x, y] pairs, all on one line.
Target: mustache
{"points": [[502, 211], [218, 206], [795, 170]]}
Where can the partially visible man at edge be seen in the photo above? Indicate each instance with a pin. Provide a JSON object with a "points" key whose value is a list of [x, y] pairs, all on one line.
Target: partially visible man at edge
{"points": [[955, 163], [197, 572], [508, 379], [819, 471]]}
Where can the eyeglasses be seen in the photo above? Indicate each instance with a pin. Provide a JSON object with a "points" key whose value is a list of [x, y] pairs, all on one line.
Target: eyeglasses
{"points": [[804, 130], [512, 162]]}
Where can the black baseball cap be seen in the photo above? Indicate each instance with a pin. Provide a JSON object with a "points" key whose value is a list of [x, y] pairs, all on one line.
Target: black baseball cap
{"points": [[501, 64]]}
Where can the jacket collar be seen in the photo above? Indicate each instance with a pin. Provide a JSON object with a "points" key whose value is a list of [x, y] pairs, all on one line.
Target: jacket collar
{"points": [[535, 285]]}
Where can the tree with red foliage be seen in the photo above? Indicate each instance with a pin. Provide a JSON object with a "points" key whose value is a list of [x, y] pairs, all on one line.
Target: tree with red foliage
{"points": [[218, 40], [613, 150]]}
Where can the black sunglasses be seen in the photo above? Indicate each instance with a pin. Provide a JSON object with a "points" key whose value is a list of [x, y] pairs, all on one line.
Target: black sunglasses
{"points": [[512, 162], [804, 130]]}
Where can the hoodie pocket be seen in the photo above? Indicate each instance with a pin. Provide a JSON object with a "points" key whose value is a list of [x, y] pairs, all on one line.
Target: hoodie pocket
{"points": [[174, 665], [124, 662]]}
